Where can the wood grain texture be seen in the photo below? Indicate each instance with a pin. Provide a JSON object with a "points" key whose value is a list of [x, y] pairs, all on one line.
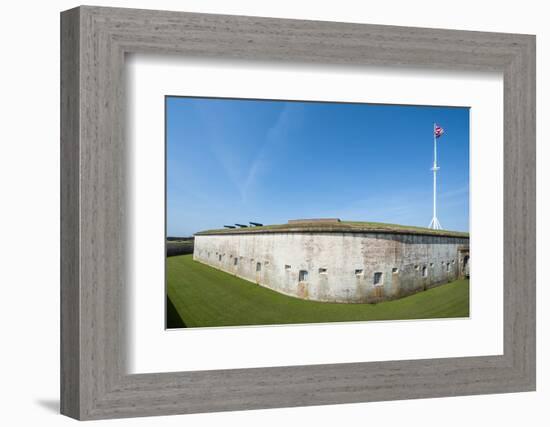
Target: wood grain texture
{"points": [[94, 380], [70, 314]]}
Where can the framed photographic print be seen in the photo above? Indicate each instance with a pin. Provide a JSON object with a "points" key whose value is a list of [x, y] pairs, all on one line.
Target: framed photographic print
{"points": [[320, 267], [262, 213]]}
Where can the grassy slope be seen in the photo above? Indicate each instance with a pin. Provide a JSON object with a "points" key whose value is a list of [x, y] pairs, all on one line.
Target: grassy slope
{"points": [[204, 296]]}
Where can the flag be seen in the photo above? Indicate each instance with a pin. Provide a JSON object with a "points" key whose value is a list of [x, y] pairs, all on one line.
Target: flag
{"points": [[438, 131]]}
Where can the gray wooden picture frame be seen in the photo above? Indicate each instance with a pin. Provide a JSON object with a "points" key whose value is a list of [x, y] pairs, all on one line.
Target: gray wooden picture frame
{"points": [[94, 381]]}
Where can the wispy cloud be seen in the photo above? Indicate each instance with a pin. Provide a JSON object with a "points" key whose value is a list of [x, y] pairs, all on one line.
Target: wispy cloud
{"points": [[454, 193], [405, 206], [276, 137], [218, 145], [242, 171], [399, 207]]}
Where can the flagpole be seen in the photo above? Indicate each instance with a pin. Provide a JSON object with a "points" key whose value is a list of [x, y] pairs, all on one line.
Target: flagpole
{"points": [[435, 222], [435, 176]]}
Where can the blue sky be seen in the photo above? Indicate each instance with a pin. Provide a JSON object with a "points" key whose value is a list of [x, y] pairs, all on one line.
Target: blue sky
{"points": [[233, 161]]}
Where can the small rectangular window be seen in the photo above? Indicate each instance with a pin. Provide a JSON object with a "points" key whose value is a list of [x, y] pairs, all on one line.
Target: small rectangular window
{"points": [[287, 267], [395, 270], [431, 264], [424, 271], [416, 267], [377, 278], [302, 276], [448, 267], [322, 271], [358, 272], [258, 266], [235, 261], [219, 257]]}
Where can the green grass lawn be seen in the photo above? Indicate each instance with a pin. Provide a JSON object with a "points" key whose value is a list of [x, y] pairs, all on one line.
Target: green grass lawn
{"points": [[199, 296]]}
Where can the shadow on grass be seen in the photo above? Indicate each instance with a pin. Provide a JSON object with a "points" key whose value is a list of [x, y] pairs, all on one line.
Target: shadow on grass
{"points": [[173, 319]]}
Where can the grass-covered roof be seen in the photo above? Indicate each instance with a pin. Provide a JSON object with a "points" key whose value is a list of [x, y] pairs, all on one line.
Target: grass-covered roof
{"points": [[335, 227]]}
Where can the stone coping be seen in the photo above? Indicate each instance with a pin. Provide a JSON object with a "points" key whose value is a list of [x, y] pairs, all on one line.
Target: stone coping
{"points": [[336, 227]]}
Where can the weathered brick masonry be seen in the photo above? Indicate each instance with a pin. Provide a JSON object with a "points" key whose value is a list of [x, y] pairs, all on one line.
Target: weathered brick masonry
{"points": [[334, 263]]}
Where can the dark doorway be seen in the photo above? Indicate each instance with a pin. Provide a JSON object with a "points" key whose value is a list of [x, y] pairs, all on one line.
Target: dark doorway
{"points": [[466, 266]]}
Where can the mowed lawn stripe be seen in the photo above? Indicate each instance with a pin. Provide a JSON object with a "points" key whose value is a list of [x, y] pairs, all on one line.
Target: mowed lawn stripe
{"points": [[204, 296]]}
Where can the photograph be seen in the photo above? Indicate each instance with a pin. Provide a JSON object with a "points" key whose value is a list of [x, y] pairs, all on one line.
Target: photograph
{"points": [[262, 214], [298, 212]]}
